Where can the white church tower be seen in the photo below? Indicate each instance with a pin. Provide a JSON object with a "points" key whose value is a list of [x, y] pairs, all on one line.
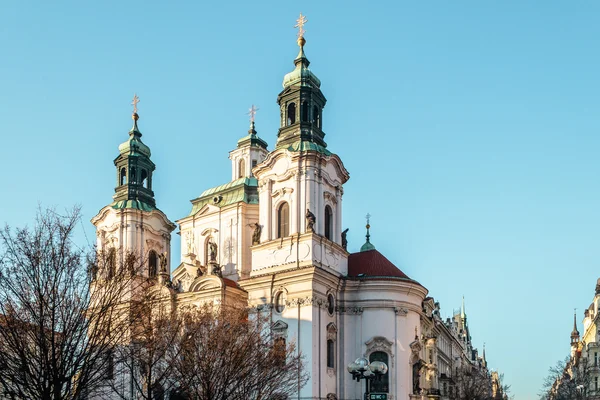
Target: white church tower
{"points": [[132, 224], [301, 257]]}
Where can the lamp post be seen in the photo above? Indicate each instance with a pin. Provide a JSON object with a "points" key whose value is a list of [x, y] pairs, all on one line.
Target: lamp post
{"points": [[362, 369]]}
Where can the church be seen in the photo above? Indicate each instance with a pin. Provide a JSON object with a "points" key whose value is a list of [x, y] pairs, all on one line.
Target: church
{"points": [[272, 238]]}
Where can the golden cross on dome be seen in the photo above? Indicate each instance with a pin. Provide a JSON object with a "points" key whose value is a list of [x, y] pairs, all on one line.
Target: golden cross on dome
{"points": [[300, 25], [252, 112], [135, 102]]}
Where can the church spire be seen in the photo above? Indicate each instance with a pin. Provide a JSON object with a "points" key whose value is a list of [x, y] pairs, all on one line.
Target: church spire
{"points": [[574, 332], [301, 103], [368, 245], [134, 169]]}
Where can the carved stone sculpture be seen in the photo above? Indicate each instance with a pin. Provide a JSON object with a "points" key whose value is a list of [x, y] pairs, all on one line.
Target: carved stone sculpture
{"points": [[213, 251], [344, 239], [310, 221], [163, 262], [256, 234]]}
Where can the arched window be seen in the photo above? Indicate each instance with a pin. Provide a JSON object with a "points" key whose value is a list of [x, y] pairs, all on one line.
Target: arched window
{"points": [[283, 220], [328, 223], [330, 353], [123, 176], [144, 178], [291, 114], [133, 175], [304, 111], [316, 117], [152, 264], [242, 168], [380, 385], [111, 263]]}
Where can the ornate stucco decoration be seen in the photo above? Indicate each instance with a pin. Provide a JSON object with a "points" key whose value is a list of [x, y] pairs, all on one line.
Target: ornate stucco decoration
{"points": [[349, 310], [401, 311], [331, 331], [307, 301], [379, 343], [330, 197], [282, 191], [279, 328]]}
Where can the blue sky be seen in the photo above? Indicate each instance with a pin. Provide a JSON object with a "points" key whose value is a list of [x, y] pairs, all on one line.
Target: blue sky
{"points": [[470, 130]]}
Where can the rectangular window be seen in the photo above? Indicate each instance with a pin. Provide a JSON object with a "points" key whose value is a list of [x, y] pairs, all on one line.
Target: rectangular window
{"points": [[382, 385], [595, 359], [596, 383], [330, 354]]}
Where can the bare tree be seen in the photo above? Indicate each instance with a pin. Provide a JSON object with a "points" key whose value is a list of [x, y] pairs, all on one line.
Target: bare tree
{"points": [[473, 383], [57, 323], [568, 379], [230, 355], [145, 363]]}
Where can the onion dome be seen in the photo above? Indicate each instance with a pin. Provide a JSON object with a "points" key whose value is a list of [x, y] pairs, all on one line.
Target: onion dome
{"points": [[134, 144], [301, 75]]}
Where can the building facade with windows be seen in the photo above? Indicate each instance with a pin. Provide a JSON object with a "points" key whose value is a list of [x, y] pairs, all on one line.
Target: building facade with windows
{"points": [[273, 238]]}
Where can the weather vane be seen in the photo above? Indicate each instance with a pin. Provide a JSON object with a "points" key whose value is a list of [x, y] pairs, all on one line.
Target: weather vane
{"points": [[300, 25], [252, 112], [135, 102]]}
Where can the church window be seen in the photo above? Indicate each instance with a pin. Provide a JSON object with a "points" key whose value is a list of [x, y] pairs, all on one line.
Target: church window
{"points": [[279, 350], [111, 262], [144, 178], [330, 304], [331, 341], [279, 302], [316, 117], [152, 264], [123, 176], [133, 175], [283, 220], [330, 353], [291, 114], [382, 385], [254, 163], [304, 111], [241, 169], [328, 223], [110, 365]]}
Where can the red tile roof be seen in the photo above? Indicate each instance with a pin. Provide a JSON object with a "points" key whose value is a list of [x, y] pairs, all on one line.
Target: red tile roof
{"points": [[230, 283], [372, 263]]}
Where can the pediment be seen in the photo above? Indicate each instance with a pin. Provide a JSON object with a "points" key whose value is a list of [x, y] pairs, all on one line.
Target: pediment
{"points": [[209, 282], [279, 326]]}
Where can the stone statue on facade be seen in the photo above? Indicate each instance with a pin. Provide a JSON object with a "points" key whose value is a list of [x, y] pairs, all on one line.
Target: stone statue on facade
{"points": [[163, 262], [310, 221], [256, 234], [416, 370], [344, 239], [212, 251]]}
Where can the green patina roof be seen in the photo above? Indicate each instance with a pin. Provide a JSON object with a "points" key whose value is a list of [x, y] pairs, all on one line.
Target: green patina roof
{"points": [[240, 190], [308, 146], [135, 204]]}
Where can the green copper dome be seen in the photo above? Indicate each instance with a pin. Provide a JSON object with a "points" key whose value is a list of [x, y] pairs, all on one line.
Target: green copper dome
{"points": [[301, 75], [134, 144]]}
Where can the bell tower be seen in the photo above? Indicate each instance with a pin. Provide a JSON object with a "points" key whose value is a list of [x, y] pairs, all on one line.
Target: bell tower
{"points": [[301, 102], [300, 183], [132, 224]]}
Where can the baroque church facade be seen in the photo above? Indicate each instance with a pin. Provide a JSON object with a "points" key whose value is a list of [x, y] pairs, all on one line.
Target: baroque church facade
{"points": [[273, 238]]}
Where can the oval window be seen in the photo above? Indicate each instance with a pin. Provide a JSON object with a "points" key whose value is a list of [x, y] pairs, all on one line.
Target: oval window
{"points": [[280, 302], [330, 304]]}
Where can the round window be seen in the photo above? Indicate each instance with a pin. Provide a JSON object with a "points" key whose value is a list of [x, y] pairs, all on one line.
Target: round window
{"points": [[330, 304], [280, 302]]}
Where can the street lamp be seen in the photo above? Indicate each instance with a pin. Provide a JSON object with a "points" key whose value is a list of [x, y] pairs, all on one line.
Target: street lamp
{"points": [[362, 369]]}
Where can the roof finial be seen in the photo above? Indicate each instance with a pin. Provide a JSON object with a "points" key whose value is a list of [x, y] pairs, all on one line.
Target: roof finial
{"points": [[368, 245], [575, 332], [300, 25], [252, 113], [135, 116]]}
